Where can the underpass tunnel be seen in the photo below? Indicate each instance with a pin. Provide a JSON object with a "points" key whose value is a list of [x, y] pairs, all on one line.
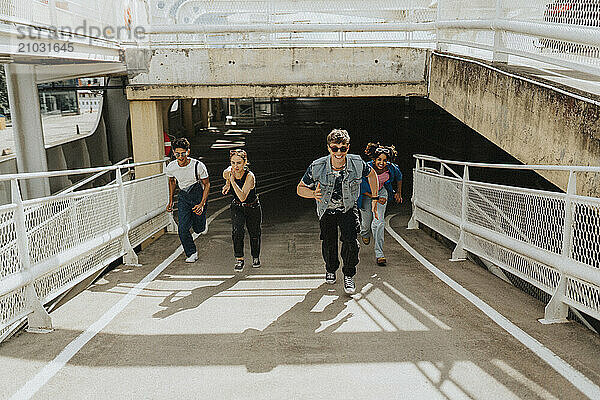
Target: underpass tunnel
{"points": [[289, 133]]}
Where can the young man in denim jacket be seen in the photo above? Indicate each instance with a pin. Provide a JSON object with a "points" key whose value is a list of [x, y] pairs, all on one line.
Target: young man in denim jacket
{"points": [[334, 182]]}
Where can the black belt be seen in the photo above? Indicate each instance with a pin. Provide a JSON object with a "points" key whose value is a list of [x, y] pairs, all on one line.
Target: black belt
{"points": [[238, 203]]}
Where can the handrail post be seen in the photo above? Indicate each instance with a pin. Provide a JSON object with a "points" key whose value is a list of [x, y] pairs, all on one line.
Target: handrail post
{"points": [[413, 223], [497, 55], [459, 253], [38, 320], [438, 45], [130, 258], [52, 12], [556, 310], [172, 226]]}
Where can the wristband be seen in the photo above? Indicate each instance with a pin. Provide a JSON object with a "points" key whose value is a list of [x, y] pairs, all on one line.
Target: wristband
{"points": [[375, 198]]}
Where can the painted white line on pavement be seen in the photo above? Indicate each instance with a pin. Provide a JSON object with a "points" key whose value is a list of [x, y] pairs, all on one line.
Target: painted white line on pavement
{"points": [[577, 379]]}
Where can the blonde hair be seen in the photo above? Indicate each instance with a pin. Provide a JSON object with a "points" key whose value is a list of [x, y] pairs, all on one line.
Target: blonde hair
{"points": [[240, 153]]}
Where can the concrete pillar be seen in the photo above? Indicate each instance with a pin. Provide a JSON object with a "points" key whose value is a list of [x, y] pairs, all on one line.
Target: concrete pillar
{"points": [[147, 135], [188, 117], [57, 162], [77, 156], [27, 127], [166, 106], [204, 109], [115, 111]]}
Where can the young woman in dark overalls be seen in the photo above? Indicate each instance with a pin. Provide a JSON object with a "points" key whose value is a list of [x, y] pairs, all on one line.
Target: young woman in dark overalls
{"points": [[245, 207]]}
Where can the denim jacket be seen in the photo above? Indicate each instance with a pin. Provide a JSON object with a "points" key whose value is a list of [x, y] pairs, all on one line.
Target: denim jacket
{"points": [[395, 176], [322, 173]]}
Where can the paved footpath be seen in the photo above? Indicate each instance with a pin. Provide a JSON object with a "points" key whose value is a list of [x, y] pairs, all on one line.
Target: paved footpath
{"points": [[169, 329]]}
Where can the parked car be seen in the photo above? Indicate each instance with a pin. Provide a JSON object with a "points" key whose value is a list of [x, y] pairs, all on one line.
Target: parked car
{"points": [[583, 13], [573, 12]]}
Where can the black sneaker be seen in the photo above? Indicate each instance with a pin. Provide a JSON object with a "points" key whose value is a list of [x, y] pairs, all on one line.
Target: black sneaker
{"points": [[330, 277], [239, 266], [349, 286], [256, 262]]}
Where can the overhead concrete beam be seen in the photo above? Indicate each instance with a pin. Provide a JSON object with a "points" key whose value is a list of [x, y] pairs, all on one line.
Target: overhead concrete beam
{"points": [[154, 92], [277, 66], [535, 123]]}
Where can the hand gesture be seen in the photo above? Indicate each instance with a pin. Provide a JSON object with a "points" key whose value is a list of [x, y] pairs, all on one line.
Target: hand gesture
{"points": [[317, 192], [198, 208], [225, 189], [398, 197], [382, 200], [374, 209]]}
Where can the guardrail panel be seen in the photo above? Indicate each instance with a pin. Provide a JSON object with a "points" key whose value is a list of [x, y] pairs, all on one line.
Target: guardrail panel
{"points": [[10, 260], [585, 246], [137, 192], [71, 237], [527, 217]]}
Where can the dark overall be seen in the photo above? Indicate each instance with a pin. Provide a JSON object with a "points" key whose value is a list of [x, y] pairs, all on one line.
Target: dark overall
{"points": [[188, 198], [249, 213]]}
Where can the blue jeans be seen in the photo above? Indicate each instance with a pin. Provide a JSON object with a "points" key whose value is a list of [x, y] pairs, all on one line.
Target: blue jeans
{"points": [[368, 223], [188, 219]]}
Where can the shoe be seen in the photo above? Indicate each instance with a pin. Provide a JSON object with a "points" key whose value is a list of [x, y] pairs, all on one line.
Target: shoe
{"points": [[239, 266], [381, 261], [349, 286], [192, 258], [366, 240], [256, 262], [330, 277]]}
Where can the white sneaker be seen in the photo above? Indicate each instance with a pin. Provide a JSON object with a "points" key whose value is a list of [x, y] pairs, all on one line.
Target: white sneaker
{"points": [[192, 258]]}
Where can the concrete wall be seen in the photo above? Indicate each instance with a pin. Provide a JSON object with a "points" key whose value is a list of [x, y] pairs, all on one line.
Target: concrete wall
{"points": [[535, 124], [290, 72]]}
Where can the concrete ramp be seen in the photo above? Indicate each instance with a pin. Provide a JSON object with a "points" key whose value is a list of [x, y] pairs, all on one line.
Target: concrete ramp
{"points": [[169, 329]]}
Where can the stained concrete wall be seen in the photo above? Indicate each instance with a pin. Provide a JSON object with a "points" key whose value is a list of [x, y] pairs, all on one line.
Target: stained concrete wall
{"points": [[534, 123], [286, 72]]}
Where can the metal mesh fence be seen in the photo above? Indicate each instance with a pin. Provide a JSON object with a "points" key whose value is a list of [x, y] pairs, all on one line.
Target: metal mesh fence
{"points": [[60, 224], [530, 217], [583, 295], [70, 237], [10, 262], [520, 230], [136, 193], [54, 283], [13, 305], [586, 233]]}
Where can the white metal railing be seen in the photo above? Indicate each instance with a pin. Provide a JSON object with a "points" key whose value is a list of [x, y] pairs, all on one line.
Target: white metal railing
{"points": [[558, 32], [48, 245], [549, 239], [40, 26]]}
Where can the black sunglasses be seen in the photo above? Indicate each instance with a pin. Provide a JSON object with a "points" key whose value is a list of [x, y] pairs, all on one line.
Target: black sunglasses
{"points": [[178, 154], [335, 149]]}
